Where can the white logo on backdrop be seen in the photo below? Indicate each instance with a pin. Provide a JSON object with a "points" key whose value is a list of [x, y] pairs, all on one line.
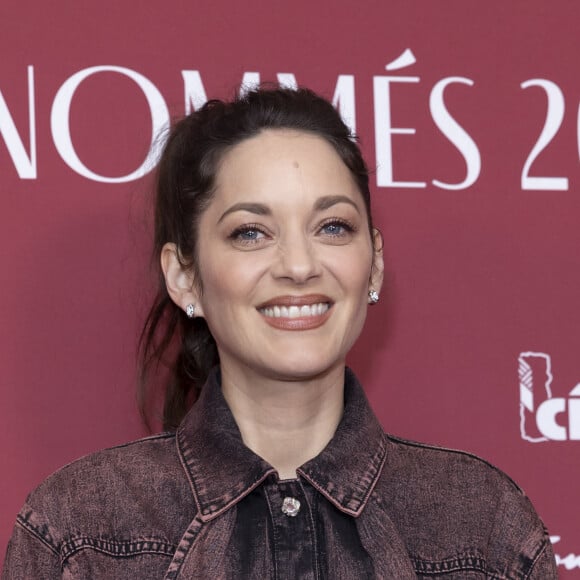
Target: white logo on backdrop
{"points": [[544, 417], [569, 562]]}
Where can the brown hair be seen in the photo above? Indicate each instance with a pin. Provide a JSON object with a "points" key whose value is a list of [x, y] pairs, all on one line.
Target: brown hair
{"points": [[184, 187]]}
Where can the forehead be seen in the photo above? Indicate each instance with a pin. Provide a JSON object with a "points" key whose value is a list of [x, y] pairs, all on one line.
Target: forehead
{"points": [[283, 164]]}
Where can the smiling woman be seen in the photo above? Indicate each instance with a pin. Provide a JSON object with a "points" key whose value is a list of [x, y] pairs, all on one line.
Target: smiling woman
{"points": [[283, 245], [273, 464]]}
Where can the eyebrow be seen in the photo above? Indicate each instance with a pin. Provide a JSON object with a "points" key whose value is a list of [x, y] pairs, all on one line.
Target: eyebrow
{"points": [[321, 204], [257, 208], [327, 201]]}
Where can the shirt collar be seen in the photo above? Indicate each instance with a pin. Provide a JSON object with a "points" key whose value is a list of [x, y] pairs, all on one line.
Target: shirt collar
{"points": [[222, 470]]}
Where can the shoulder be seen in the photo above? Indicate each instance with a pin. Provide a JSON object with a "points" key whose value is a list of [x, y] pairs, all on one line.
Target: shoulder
{"points": [[141, 460], [459, 469], [457, 482], [109, 488], [465, 502]]}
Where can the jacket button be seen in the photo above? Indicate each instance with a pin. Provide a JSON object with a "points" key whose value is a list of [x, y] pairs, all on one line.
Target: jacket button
{"points": [[290, 506]]}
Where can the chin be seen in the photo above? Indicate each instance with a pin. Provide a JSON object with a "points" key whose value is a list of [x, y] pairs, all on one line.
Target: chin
{"points": [[301, 368]]}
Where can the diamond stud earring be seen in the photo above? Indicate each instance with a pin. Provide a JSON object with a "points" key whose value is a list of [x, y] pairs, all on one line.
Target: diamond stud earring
{"points": [[190, 310], [373, 296]]}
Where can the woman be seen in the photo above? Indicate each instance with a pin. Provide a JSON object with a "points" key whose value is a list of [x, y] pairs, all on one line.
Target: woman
{"points": [[280, 470]]}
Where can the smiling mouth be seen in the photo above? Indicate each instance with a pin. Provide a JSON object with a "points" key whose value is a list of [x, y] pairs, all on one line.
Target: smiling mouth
{"points": [[295, 311]]}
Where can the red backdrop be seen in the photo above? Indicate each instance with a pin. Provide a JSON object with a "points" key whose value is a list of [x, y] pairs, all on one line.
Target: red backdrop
{"points": [[468, 111]]}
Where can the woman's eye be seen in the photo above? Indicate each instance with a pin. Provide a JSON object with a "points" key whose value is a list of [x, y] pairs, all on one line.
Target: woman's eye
{"points": [[337, 228], [247, 235], [333, 229]]}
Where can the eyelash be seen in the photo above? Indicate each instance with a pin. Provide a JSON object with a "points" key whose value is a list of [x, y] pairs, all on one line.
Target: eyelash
{"points": [[237, 233], [346, 225], [246, 228]]}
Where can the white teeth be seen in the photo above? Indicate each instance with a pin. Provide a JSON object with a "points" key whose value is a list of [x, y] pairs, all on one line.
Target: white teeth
{"points": [[295, 311]]}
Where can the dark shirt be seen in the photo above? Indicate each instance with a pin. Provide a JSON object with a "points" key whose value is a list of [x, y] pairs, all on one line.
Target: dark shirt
{"points": [[199, 504]]}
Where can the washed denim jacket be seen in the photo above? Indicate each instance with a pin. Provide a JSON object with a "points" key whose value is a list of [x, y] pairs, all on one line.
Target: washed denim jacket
{"points": [[199, 504]]}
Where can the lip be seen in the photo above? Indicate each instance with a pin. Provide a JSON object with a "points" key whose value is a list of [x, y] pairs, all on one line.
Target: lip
{"points": [[289, 300], [301, 322]]}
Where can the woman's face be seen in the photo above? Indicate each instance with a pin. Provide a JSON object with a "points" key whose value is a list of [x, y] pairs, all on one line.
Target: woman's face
{"points": [[285, 258]]}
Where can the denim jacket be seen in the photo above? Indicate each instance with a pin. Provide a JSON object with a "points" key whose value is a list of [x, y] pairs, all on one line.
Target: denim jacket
{"points": [[199, 504]]}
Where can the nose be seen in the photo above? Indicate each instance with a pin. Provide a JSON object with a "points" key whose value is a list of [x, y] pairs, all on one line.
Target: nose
{"points": [[296, 260]]}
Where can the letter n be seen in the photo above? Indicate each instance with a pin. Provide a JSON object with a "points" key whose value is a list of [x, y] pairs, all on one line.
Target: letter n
{"points": [[25, 163]]}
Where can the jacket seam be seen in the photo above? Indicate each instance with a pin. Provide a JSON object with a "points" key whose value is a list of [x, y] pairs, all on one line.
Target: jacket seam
{"points": [[87, 543], [33, 532], [164, 435], [411, 443], [274, 537], [456, 564], [185, 467], [378, 463], [151, 438], [541, 551], [207, 514], [380, 458]]}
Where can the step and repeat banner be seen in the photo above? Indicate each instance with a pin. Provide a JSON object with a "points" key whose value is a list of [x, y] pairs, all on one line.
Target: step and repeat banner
{"points": [[468, 114]]}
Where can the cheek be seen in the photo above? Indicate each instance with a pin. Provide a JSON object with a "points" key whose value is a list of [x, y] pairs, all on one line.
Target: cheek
{"points": [[352, 269], [228, 279]]}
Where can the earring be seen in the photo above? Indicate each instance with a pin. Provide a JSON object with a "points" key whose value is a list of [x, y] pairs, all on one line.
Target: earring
{"points": [[373, 296], [190, 311]]}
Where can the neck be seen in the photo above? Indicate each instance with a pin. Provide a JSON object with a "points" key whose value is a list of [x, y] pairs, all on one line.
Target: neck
{"points": [[286, 422]]}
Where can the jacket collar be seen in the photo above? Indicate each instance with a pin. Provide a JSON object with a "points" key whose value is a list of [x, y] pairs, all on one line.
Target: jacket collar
{"points": [[222, 470]]}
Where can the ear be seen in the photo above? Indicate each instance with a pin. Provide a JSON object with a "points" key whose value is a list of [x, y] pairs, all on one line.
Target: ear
{"points": [[378, 264], [179, 280]]}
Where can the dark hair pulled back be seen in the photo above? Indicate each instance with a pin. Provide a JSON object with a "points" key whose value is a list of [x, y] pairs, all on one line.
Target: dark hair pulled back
{"points": [[184, 187]]}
